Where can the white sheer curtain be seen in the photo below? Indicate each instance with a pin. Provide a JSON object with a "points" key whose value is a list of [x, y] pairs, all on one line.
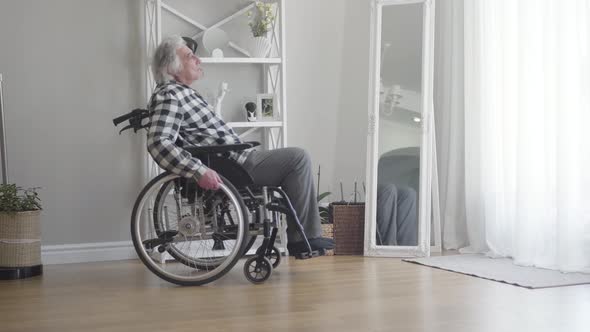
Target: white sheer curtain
{"points": [[527, 124], [449, 121], [516, 161]]}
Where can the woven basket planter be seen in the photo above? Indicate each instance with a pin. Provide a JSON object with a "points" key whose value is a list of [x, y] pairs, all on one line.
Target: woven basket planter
{"points": [[328, 231], [20, 239], [349, 227]]}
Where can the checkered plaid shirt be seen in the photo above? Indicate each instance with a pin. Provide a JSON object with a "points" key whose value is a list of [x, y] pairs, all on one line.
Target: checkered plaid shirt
{"points": [[182, 117]]}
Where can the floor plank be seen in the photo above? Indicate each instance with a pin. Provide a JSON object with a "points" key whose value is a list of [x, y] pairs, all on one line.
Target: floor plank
{"points": [[337, 293]]}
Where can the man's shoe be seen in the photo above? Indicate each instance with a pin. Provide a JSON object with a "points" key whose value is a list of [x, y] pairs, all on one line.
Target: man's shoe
{"points": [[320, 244]]}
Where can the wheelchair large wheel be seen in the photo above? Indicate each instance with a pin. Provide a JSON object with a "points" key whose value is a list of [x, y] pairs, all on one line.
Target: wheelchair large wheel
{"points": [[186, 242], [174, 204]]}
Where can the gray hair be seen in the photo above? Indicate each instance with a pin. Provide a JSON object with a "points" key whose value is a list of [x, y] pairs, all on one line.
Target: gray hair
{"points": [[165, 60]]}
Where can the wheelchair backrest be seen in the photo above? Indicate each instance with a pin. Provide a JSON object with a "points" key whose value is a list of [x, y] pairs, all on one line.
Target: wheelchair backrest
{"points": [[230, 169]]}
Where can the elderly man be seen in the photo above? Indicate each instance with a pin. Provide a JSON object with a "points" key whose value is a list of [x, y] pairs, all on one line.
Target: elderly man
{"points": [[180, 113]]}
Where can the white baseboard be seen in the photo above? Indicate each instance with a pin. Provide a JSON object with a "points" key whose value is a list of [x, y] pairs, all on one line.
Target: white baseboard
{"points": [[87, 252], [100, 252]]}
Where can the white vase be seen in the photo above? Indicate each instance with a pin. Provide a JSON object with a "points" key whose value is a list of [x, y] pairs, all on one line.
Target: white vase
{"points": [[258, 47]]}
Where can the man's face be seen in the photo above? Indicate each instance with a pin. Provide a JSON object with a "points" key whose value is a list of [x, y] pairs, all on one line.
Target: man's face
{"points": [[191, 66]]}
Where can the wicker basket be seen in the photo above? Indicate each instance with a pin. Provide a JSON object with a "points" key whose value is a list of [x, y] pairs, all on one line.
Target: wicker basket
{"points": [[20, 239], [328, 231], [349, 227]]}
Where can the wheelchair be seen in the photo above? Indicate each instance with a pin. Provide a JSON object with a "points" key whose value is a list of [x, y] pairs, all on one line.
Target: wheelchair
{"points": [[190, 236]]}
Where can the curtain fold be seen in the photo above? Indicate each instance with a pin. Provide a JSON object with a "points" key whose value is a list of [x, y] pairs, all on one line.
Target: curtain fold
{"points": [[449, 110]]}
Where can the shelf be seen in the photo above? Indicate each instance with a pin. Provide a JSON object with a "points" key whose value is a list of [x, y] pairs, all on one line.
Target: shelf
{"points": [[241, 60], [260, 124]]}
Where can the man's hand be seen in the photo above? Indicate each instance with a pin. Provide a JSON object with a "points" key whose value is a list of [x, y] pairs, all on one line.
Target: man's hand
{"points": [[210, 180]]}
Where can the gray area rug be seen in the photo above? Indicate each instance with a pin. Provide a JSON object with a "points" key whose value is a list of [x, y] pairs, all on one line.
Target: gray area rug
{"points": [[503, 270]]}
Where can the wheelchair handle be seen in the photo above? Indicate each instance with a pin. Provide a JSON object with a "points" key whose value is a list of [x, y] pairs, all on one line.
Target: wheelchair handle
{"points": [[125, 117]]}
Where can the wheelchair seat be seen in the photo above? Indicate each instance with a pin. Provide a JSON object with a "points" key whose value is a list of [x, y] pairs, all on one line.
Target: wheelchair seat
{"points": [[213, 156], [231, 170]]}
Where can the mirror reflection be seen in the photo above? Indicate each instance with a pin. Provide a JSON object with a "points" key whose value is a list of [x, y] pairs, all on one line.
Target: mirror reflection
{"points": [[400, 130]]}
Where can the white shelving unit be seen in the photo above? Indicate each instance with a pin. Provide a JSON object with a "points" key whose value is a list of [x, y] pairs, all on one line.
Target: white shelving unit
{"points": [[241, 60], [274, 133]]}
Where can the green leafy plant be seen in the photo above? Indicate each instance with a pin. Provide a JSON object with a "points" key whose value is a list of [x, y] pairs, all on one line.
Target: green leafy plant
{"points": [[17, 199], [261, 19], [324, 211]]}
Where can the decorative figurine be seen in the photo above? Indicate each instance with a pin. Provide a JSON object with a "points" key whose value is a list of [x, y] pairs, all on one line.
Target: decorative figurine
{"points": [[222, 90], [250, 111]]}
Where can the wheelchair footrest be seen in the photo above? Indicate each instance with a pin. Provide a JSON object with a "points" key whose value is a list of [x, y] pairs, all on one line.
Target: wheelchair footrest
{"points": [[308, 255], [162, 239]]}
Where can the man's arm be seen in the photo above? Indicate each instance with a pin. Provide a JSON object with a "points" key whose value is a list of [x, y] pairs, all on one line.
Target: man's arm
{"points": [[162, 135]]}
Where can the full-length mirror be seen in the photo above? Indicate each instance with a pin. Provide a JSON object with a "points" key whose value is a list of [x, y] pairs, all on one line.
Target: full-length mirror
{"points": [[399, 157]]}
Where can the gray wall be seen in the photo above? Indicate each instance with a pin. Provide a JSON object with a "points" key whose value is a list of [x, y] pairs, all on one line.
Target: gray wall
{"points": [[328, 75], [351, 135], [315, 40], [69, 67]]}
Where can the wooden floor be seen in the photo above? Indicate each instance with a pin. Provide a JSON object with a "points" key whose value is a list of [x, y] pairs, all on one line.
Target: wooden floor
{"points": [[323, 294]]}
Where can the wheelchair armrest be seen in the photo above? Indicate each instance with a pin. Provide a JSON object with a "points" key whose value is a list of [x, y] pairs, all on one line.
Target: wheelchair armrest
{"points": [[213, 149], [253, 143]]}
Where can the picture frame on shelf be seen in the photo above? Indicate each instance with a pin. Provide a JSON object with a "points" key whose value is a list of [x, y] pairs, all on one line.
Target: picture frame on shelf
{"points": [[266, 106]]}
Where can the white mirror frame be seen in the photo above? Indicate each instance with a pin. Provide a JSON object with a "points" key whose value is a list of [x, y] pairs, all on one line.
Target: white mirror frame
{"points": [[427, 152]]}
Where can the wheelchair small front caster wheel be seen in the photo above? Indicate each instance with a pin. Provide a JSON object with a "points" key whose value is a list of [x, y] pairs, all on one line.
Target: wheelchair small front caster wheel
{"points": [[274, 258], [257, 270]]}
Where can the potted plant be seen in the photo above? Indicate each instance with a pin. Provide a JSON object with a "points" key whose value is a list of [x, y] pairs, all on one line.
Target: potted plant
{"points": [[327, 227], [20, 232], [260, 21]]}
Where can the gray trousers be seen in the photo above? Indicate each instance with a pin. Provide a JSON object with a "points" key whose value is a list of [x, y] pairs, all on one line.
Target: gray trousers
{"points": [[289, 168], [397, 222]]}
